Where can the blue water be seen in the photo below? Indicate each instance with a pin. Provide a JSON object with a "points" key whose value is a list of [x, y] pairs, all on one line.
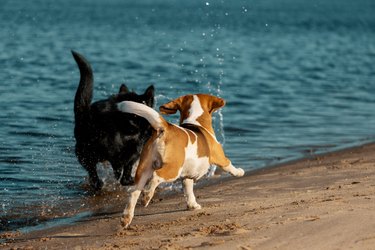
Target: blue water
{"points": [[298, 77]]}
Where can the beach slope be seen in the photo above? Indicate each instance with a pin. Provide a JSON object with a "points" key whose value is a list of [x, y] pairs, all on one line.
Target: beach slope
{"points": [[321, 202]]}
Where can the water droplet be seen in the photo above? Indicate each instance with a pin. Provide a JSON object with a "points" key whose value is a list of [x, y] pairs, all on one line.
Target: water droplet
{"points": [[207, 3]]}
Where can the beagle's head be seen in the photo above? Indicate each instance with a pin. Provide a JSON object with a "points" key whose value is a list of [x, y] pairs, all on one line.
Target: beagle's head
{"points": [[194, 109]]}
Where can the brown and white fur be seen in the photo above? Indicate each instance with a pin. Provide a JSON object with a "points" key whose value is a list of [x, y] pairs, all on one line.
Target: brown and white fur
{"points": [[173, 151]]}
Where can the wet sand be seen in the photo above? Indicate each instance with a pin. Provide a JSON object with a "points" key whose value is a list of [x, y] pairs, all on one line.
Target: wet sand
{"points": [[321, 202]]}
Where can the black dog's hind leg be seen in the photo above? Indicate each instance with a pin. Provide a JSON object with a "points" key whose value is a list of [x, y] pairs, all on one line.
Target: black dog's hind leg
{"points": [[94, 179]]}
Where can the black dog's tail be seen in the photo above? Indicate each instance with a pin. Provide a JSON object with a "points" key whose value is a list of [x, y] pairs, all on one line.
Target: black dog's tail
{"points": [[84, 92]]}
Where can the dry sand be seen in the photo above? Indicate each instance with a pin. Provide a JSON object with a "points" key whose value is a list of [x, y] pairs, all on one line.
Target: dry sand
{"points": [[323, 202]]}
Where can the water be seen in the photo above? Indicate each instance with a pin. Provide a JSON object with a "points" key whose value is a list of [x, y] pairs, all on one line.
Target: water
{"points": [[298, 77]]}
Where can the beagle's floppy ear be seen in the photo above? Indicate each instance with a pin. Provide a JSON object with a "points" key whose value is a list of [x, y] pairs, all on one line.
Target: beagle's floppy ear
{"points": [[216, 103], [169, 108], [172, 106]]}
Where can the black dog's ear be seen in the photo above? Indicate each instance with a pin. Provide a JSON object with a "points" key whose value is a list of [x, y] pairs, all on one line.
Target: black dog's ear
{"points": [[150, 91], [123, 89], [149, 94]]}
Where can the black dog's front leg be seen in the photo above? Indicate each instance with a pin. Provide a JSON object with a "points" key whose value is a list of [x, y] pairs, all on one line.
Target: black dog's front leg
{"points": [[126, 178], [123, 170]]}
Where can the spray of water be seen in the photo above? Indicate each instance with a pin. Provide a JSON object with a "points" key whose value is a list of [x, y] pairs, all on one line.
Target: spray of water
{"points": [[218, 119]]}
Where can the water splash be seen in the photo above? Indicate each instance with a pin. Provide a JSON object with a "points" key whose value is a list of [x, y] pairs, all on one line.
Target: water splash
{"points": [[217, 118]]}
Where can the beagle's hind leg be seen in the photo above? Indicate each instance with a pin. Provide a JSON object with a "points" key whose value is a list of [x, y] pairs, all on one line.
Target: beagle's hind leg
{"points": [[238, 172], [219, 159], [134, 193], [143, 174], [129, 209]]}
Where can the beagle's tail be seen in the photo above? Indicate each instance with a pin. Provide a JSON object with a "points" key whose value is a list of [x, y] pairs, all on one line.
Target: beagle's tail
{"points": [[153, 117]]}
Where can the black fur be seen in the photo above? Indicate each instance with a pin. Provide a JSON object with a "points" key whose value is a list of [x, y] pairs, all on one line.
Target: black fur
{"points": [[103, 133]]}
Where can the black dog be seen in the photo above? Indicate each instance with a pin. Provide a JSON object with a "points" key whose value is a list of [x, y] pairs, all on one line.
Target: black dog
{"points": [[103, 133]]}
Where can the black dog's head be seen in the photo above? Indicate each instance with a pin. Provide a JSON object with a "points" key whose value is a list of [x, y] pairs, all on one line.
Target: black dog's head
{"points": [[146, 98], [124, 94]]}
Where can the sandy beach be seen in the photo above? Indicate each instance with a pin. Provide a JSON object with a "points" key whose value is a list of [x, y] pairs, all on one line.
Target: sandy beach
{"points": [[321, 202]]}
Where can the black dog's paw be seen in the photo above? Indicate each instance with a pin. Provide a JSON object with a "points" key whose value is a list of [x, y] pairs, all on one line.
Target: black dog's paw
{"points": [[127, 181], [96, 184]]}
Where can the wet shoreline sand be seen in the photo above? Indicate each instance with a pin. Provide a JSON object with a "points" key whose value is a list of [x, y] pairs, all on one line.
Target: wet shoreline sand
{"points": [[320, 202]]}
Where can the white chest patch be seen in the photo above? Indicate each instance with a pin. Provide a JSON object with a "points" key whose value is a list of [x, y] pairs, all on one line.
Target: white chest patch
{"points": [[195, 111]]}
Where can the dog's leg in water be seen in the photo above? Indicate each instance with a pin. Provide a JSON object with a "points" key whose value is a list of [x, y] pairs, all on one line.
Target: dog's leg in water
{"points": [[95, 182], [126, 178], [94, 179], [122, 173], [149, 191], [189, 194]]}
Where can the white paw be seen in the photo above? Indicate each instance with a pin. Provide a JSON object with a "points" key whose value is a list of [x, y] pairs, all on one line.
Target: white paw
{"points": [[195, 206], [126, 220], [240, 172]]}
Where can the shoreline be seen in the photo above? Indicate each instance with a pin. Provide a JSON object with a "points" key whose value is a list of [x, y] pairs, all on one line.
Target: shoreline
{"points": [[114, 190], [281, 202]]}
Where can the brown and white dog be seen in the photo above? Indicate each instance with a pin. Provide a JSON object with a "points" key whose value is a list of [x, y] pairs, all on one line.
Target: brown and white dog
{"points": [[173, 151]]}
